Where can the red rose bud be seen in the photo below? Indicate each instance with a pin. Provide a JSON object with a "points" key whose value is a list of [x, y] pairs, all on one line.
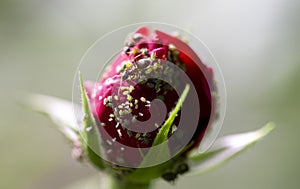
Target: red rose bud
{"points": [[124, 100]]}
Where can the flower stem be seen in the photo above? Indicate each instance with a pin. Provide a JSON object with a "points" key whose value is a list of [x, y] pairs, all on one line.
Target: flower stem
{"points": [[122, 183]]}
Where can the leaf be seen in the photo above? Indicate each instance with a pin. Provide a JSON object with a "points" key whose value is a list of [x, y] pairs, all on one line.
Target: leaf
{"points": [[163, 132], [60, 111], [90, 133], [226, 148], [162, 135]]}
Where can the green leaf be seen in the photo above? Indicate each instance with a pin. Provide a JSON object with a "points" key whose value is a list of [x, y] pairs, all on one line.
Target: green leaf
{"points": [[162, 135], [165, 129], [60, 111], [226, 148], [90, 133]]}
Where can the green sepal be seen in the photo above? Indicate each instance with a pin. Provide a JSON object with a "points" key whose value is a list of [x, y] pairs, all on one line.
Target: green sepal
{"points": [[162, 135], [225, 149], [60, 111], [145, 173], [90, 134]]}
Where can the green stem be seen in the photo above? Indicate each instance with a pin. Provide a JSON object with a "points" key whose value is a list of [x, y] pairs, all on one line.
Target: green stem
{"points": [[121, 183]]}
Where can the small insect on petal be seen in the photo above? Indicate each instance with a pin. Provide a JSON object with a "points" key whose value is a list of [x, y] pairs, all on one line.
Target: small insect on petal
{"points": [[143, 63], [143, 99], [109, 142], [119, 132]]}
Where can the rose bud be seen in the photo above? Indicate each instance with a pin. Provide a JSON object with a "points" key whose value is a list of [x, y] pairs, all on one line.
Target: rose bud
{"points": [[123, 101]]}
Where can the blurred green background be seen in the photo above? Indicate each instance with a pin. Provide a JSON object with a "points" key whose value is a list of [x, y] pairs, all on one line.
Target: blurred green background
{"points": [[256, 43]]}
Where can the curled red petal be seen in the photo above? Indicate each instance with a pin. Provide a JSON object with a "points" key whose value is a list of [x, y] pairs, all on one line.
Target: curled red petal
{"points": [[143, 30]]}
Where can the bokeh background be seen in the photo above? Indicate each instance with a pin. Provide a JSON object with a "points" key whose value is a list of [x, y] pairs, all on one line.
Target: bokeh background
{"points": [[257, 45]]}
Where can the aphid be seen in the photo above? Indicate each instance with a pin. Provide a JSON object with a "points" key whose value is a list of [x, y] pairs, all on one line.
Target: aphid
{"points": [[182, 168], [143, 63], [88, 129], [169, 176], [143, 99], [109, 142], [119, 133]]}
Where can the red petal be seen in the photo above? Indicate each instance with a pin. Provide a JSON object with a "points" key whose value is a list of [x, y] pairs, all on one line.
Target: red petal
{"points": [[200, 75], [180, 45], [143, 30]]}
